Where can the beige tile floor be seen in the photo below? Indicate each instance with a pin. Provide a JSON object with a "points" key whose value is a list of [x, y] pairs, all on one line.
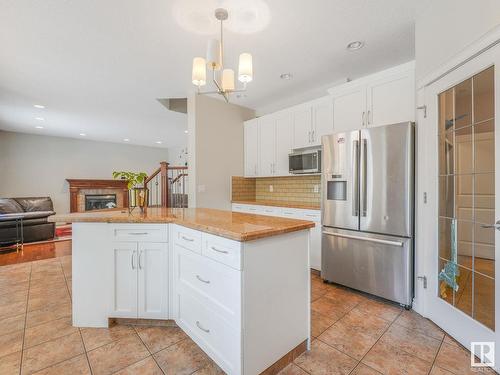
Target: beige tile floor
{"points": [[353, 334]]}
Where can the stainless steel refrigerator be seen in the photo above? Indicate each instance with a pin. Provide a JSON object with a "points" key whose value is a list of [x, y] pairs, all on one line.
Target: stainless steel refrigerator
{"points": [[367, 210]]}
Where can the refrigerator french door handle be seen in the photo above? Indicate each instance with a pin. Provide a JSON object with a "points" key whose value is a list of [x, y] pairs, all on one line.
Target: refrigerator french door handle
{"points": [[355, 185], [364, 162]]}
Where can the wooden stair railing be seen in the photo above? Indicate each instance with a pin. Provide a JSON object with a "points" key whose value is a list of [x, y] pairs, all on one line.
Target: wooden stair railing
{"points": [[163, 184]]}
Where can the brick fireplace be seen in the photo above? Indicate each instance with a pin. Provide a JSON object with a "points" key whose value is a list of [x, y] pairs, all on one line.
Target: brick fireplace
{"points": [[96, 190]]}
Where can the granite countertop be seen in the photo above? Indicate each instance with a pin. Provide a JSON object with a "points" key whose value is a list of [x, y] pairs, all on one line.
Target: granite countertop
{"points": [[306, 206], [233, 225]]}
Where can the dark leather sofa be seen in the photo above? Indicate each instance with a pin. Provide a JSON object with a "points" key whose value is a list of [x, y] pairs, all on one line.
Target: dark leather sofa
{"points": [[34, 211]]}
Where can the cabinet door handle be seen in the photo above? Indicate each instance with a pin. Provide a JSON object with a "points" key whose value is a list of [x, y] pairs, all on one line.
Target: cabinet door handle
{"points": [[138, 233], [200, 327], [368, 117], [363, 118], [313, 136], [132, 260], [187, 239], [218, 250], [202, 280], [140, 259]]}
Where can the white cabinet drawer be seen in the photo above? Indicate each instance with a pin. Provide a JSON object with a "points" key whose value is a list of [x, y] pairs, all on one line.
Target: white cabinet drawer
{"points": [[270, 211], [222, 250], [292, 213], [221, 342], [238, 207], [215, 284], [311, 215], [252, 209], [187, 238], [140, 232]]}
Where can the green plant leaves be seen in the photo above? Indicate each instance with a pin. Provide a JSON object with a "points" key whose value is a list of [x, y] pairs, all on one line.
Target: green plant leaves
{"points": [[133, 178]]}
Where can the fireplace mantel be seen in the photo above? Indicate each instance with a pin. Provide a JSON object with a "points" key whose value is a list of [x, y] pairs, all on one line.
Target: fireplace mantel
{"points": [[76, 185]]}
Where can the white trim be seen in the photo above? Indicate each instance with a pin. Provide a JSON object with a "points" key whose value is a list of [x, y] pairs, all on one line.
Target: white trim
{"points": [[395, 70], [490, 39]]}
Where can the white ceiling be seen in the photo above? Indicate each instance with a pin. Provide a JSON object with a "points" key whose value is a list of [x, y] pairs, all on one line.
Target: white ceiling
{"points": [[98, 66]]}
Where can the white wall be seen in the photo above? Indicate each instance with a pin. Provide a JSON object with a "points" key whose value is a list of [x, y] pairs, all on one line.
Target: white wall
{"points": [[34, 165], [215, 145], [443, 28]]}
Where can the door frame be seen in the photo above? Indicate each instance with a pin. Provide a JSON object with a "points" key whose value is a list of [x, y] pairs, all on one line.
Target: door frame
{"points": [[462, 327]]}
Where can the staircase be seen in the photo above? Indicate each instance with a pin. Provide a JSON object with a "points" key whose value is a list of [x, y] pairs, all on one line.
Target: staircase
{"points": [[168, 186]]}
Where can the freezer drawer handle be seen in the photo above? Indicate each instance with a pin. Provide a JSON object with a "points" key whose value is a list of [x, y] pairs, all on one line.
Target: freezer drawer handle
{"points": [[377, 240]]}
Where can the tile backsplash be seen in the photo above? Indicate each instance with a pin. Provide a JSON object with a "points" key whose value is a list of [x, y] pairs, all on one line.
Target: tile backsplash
{"points": [[300, 189]]}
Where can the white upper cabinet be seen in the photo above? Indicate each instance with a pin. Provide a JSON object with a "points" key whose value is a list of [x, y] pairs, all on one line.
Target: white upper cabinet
{"points": [[391, 100], [383, 98], [251, 146], [267, 145], [322, 119], [349, 109], [302, 126], [284, 128]]}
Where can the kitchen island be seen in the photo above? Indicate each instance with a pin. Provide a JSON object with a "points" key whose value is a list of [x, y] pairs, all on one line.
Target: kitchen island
{"points": [[238, 284]]}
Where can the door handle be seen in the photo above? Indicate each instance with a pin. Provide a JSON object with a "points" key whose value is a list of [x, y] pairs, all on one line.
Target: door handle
{"points": [[187, 239], [368, 117], [313, 136], [221, 251], [202, 280], [363, 118], [138, 233], [200, 327], [355, 185], [140, 259], [364, 177], [492, 226], [132, 260]]}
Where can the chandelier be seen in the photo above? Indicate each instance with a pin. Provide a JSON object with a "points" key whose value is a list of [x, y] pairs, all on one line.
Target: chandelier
{"points": [[222, 78]]}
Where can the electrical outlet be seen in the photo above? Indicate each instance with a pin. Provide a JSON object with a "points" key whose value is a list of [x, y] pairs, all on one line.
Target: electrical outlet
{"points": [[271, 188], [316, 188], [201, 188]]}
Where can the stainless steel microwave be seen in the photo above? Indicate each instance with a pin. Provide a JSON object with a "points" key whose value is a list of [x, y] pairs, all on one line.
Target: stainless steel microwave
{"points": [[305, 161]]}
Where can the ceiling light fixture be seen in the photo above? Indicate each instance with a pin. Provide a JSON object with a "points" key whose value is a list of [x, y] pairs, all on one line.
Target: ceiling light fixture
{"points": [[224, 83], [158, 142], [126, 140], [39, 118], [185, 131], [38, 127], [83, 134], [354, 46], [286, 76], [39, 106]]}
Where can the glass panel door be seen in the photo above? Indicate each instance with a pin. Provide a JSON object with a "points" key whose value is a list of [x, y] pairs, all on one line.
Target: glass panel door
{"points": [[466, 139]]}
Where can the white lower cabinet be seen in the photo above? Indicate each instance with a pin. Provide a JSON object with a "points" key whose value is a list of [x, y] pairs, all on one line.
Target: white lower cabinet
{"points": [[140, 283], [292, 213]]}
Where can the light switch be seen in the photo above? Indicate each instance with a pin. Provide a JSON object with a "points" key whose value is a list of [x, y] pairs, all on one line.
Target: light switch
{"points": [[316, 188], [201, 188], [271, 188]]}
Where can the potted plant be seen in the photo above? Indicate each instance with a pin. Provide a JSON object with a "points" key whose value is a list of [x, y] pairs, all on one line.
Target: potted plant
{"points": [[139, 193]]}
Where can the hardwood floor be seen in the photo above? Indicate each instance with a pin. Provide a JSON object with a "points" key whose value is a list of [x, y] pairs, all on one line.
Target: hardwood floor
{"points": [[36, 251]]}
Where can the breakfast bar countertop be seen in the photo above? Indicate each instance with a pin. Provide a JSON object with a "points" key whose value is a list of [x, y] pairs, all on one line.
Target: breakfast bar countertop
{"points": [[233, 225]]}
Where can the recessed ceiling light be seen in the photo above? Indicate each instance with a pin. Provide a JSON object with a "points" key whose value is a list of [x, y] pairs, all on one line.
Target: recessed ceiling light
{"points": [[353, 46], [83, 134], [39, 106], [126, 140], [39, 118], [38, 127], [185, 131], [158, 142], [286, 76]]}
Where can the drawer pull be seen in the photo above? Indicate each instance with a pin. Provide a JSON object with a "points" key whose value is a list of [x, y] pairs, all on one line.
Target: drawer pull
{"points": [[200, 327], [187, 239], [138, 233], [202, 280], [218, 250]]}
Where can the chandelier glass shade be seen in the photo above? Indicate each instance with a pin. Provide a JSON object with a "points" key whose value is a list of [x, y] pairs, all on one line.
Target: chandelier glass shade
{"points": [[222, 78]]}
